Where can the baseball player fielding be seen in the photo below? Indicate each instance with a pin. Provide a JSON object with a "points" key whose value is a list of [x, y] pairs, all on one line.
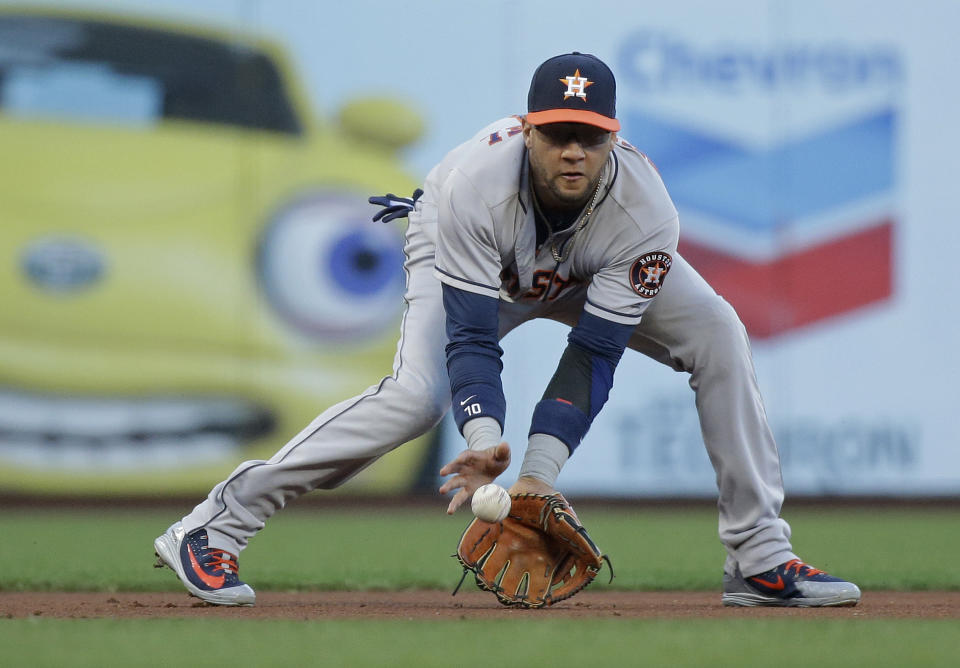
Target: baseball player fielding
{"points": [[547, 215]]}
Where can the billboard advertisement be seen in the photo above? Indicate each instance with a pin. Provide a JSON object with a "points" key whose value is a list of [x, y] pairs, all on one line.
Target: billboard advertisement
{"points": [[193, 281]]}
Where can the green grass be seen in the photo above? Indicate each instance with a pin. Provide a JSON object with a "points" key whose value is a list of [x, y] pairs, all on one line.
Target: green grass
{"points": [[739, 643], [324, 549]]}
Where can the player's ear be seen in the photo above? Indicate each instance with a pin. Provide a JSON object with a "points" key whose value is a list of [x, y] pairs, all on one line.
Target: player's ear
{"points": [[527, 132]]}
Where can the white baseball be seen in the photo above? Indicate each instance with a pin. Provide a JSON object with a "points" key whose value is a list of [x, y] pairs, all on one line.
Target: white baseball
{"points": [[491, 503]]}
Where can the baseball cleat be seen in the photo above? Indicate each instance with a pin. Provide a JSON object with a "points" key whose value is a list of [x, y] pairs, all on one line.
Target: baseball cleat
{"points": [[208, 574], [792, 584]]}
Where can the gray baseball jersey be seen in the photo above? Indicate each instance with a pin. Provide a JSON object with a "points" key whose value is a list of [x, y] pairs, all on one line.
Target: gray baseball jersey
{"points": [[488, 243]]}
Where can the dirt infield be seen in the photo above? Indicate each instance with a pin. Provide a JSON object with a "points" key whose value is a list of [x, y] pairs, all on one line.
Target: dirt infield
{"points": [[425, 605]]}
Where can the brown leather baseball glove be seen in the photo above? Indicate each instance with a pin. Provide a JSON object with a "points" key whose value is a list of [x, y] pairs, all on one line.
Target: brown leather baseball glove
{"points": [[539, 555]]}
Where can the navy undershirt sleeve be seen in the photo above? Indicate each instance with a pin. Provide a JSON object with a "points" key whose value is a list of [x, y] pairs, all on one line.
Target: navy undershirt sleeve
{"points": [[581, 384], [473, 355]]}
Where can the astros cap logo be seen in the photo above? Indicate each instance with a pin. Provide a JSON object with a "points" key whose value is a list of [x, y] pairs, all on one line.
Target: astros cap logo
{"points": [[576, 85]]}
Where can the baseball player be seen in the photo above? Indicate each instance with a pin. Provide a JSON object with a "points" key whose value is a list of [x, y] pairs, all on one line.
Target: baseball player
{"points": [[550, 215]]}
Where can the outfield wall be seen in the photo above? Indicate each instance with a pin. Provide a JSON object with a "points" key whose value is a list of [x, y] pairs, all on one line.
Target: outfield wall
{"points": [[810, 149]]}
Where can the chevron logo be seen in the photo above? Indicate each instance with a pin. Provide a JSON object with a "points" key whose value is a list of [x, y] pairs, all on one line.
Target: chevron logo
{"points": [[790, 234]]}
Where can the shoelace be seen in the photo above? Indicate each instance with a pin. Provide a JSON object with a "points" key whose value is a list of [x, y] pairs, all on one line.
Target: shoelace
{"points": [[223, 561], [801, 568]]}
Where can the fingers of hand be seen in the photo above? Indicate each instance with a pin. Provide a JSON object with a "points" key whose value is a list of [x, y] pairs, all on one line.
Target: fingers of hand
{"points": [[464, 460], [492, 462], [471, 469], [452, 484], [458, 500]]}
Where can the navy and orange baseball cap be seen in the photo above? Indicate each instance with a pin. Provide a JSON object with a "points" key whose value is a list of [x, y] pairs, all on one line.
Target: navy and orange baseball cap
{"points": [[573, 88]]}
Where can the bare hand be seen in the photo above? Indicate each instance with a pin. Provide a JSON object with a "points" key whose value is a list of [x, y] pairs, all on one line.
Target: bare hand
{"points": [[473, 469]]}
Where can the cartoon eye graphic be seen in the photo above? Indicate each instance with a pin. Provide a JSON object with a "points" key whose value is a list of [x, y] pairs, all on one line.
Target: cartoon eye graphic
{"points": [[329, 270]]}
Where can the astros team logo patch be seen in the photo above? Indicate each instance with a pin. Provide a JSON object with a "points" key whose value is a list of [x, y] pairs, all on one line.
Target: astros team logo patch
{"points": [[576, 85], [648, 272]]}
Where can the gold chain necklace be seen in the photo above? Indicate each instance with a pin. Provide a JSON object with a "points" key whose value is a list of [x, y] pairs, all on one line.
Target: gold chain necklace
{"points": [[584, 218]]}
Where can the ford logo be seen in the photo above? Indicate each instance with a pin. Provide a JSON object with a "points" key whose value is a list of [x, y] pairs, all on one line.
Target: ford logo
{"points": [[62, 264]]}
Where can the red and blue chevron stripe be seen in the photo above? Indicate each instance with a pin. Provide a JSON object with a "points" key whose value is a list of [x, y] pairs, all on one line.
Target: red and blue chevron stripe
{"points": [[791, 233]]}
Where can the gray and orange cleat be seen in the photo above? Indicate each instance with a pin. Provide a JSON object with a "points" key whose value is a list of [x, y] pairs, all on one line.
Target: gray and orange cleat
{"points": [[791, 584], [209, 574]]}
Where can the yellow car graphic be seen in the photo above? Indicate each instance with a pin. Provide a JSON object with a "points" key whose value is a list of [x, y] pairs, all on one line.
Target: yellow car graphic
{"points": [[190, 274]]}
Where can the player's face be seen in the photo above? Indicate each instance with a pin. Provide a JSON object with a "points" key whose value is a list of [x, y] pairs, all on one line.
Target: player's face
{"points": [[566, 160]]}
